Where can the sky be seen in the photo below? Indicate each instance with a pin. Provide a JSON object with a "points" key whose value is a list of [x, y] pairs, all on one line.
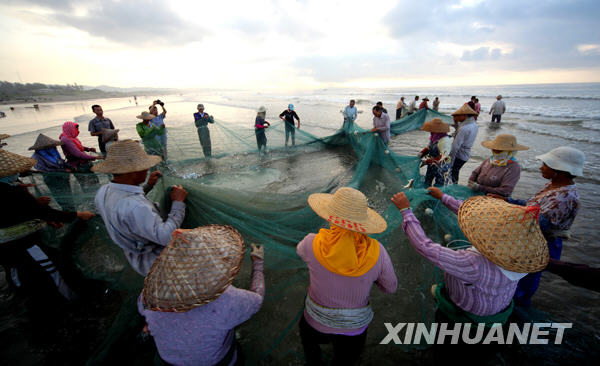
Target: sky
{"points": [[299, 45]]}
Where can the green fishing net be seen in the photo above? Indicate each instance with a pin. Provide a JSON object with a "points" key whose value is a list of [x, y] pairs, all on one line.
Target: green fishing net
{"points": [[265, 198]]}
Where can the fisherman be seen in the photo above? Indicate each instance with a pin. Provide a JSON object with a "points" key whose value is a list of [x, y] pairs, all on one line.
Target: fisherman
{"points": [[201, 120], [436, 104], [77, 159], [437, 153], [423, 104], [132, 220], [148, 132], [343, 263], [412, 107], [192, 308], [259, 129], [559, 203], [400, 109], [500, 173], [381, 124], [380, 105], [479, 282], [97, 124], [288, 117], [159, 121], [498, 109], [25, 259], [350, 113], [464, 139], [48, 160]]}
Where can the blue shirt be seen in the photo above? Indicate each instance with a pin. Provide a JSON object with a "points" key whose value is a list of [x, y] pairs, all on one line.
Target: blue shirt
{"points": [[350, 113], [159, 121]]}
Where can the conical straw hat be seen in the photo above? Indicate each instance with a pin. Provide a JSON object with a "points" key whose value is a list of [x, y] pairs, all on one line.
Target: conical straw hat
{"points": [[145, 116], [508, 235], [465, 109], [504, 142], [126, 156], [11, 163], [436, 125], [44, 142], [108, 134], [347, 208], [4, 136], [195, 268]]}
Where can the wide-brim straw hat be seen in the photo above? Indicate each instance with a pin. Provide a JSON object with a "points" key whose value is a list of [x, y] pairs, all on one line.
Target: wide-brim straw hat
{"points": [[261, 109], [145, 115], [44, 142], [436, 125], [195, 268], [347, 208], [108, 134], [11, 163], [508, 235], [566, 159], [465, 109], [426, 98], [504, 142], [126, 156], [4, 136]]}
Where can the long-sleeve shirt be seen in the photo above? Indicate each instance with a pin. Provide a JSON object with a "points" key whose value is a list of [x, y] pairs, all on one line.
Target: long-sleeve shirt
{"points": [[49, 163], [383, 126], [20, 206], [350, 113], [497, 179], [474, 283], [342, 292], [159, 122], [412, 106], [148, 135], [134, 223], [498, 108], [464, 139], [74, 156], [204, 335], [202, 120]]}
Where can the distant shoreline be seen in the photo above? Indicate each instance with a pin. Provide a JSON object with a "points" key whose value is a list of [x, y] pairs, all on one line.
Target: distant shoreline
{"points": [[20, 101]]}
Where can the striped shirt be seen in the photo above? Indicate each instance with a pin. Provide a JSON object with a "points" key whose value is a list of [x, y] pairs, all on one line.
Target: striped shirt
{"points": [[474, 283]]}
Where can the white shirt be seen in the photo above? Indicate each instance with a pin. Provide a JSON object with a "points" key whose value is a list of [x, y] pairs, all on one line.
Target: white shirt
{"points": [[498, 107], [464, 139], [383, 126], [412, 106], [134, 223]]}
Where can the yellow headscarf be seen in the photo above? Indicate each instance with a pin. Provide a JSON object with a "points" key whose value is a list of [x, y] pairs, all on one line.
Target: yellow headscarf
{"points": [[345, 252]]}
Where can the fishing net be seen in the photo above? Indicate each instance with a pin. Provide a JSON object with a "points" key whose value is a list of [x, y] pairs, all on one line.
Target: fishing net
{"points": [[265, 198]]}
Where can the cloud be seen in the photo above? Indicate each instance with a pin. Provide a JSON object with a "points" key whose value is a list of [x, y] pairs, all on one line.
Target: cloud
{"points": [[589, 48], [137, 23], [481, 54]]}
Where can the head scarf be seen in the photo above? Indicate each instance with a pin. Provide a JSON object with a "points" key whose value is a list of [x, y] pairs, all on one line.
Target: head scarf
{"points": [[347, 253], [70, 131], [436, 136], [503, 158]]}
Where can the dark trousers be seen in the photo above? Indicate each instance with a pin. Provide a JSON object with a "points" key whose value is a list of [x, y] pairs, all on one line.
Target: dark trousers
{"points": [[346, 349], [398, 113], [204, 136], [496, 118], [456, 169], [290, 129], [437, 173]]}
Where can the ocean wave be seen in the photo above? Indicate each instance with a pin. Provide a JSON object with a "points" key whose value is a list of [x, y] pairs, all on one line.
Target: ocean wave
{"points": [[573, 133]]}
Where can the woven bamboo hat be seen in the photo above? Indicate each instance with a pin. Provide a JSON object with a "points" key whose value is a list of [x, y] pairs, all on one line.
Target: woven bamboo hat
{"points": [[508, 235], [465, 109], [195, 268], [436, 125], [108, 134], [347, 208], [261, 109], [11, 163], [4, 136], [145, 116], [44, 142], [126, 156], [504, 142]]}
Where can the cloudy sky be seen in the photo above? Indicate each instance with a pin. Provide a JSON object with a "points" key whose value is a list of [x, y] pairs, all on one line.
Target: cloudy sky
{"points": [[302, 44]]}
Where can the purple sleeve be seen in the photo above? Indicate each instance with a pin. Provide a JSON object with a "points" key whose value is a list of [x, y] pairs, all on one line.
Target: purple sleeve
{"points": [[476, 172], [452, 203], [387, 281], [258, 278], [71, 149], [301, 248], [242, 305], [509, 181], [460, 263]]}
